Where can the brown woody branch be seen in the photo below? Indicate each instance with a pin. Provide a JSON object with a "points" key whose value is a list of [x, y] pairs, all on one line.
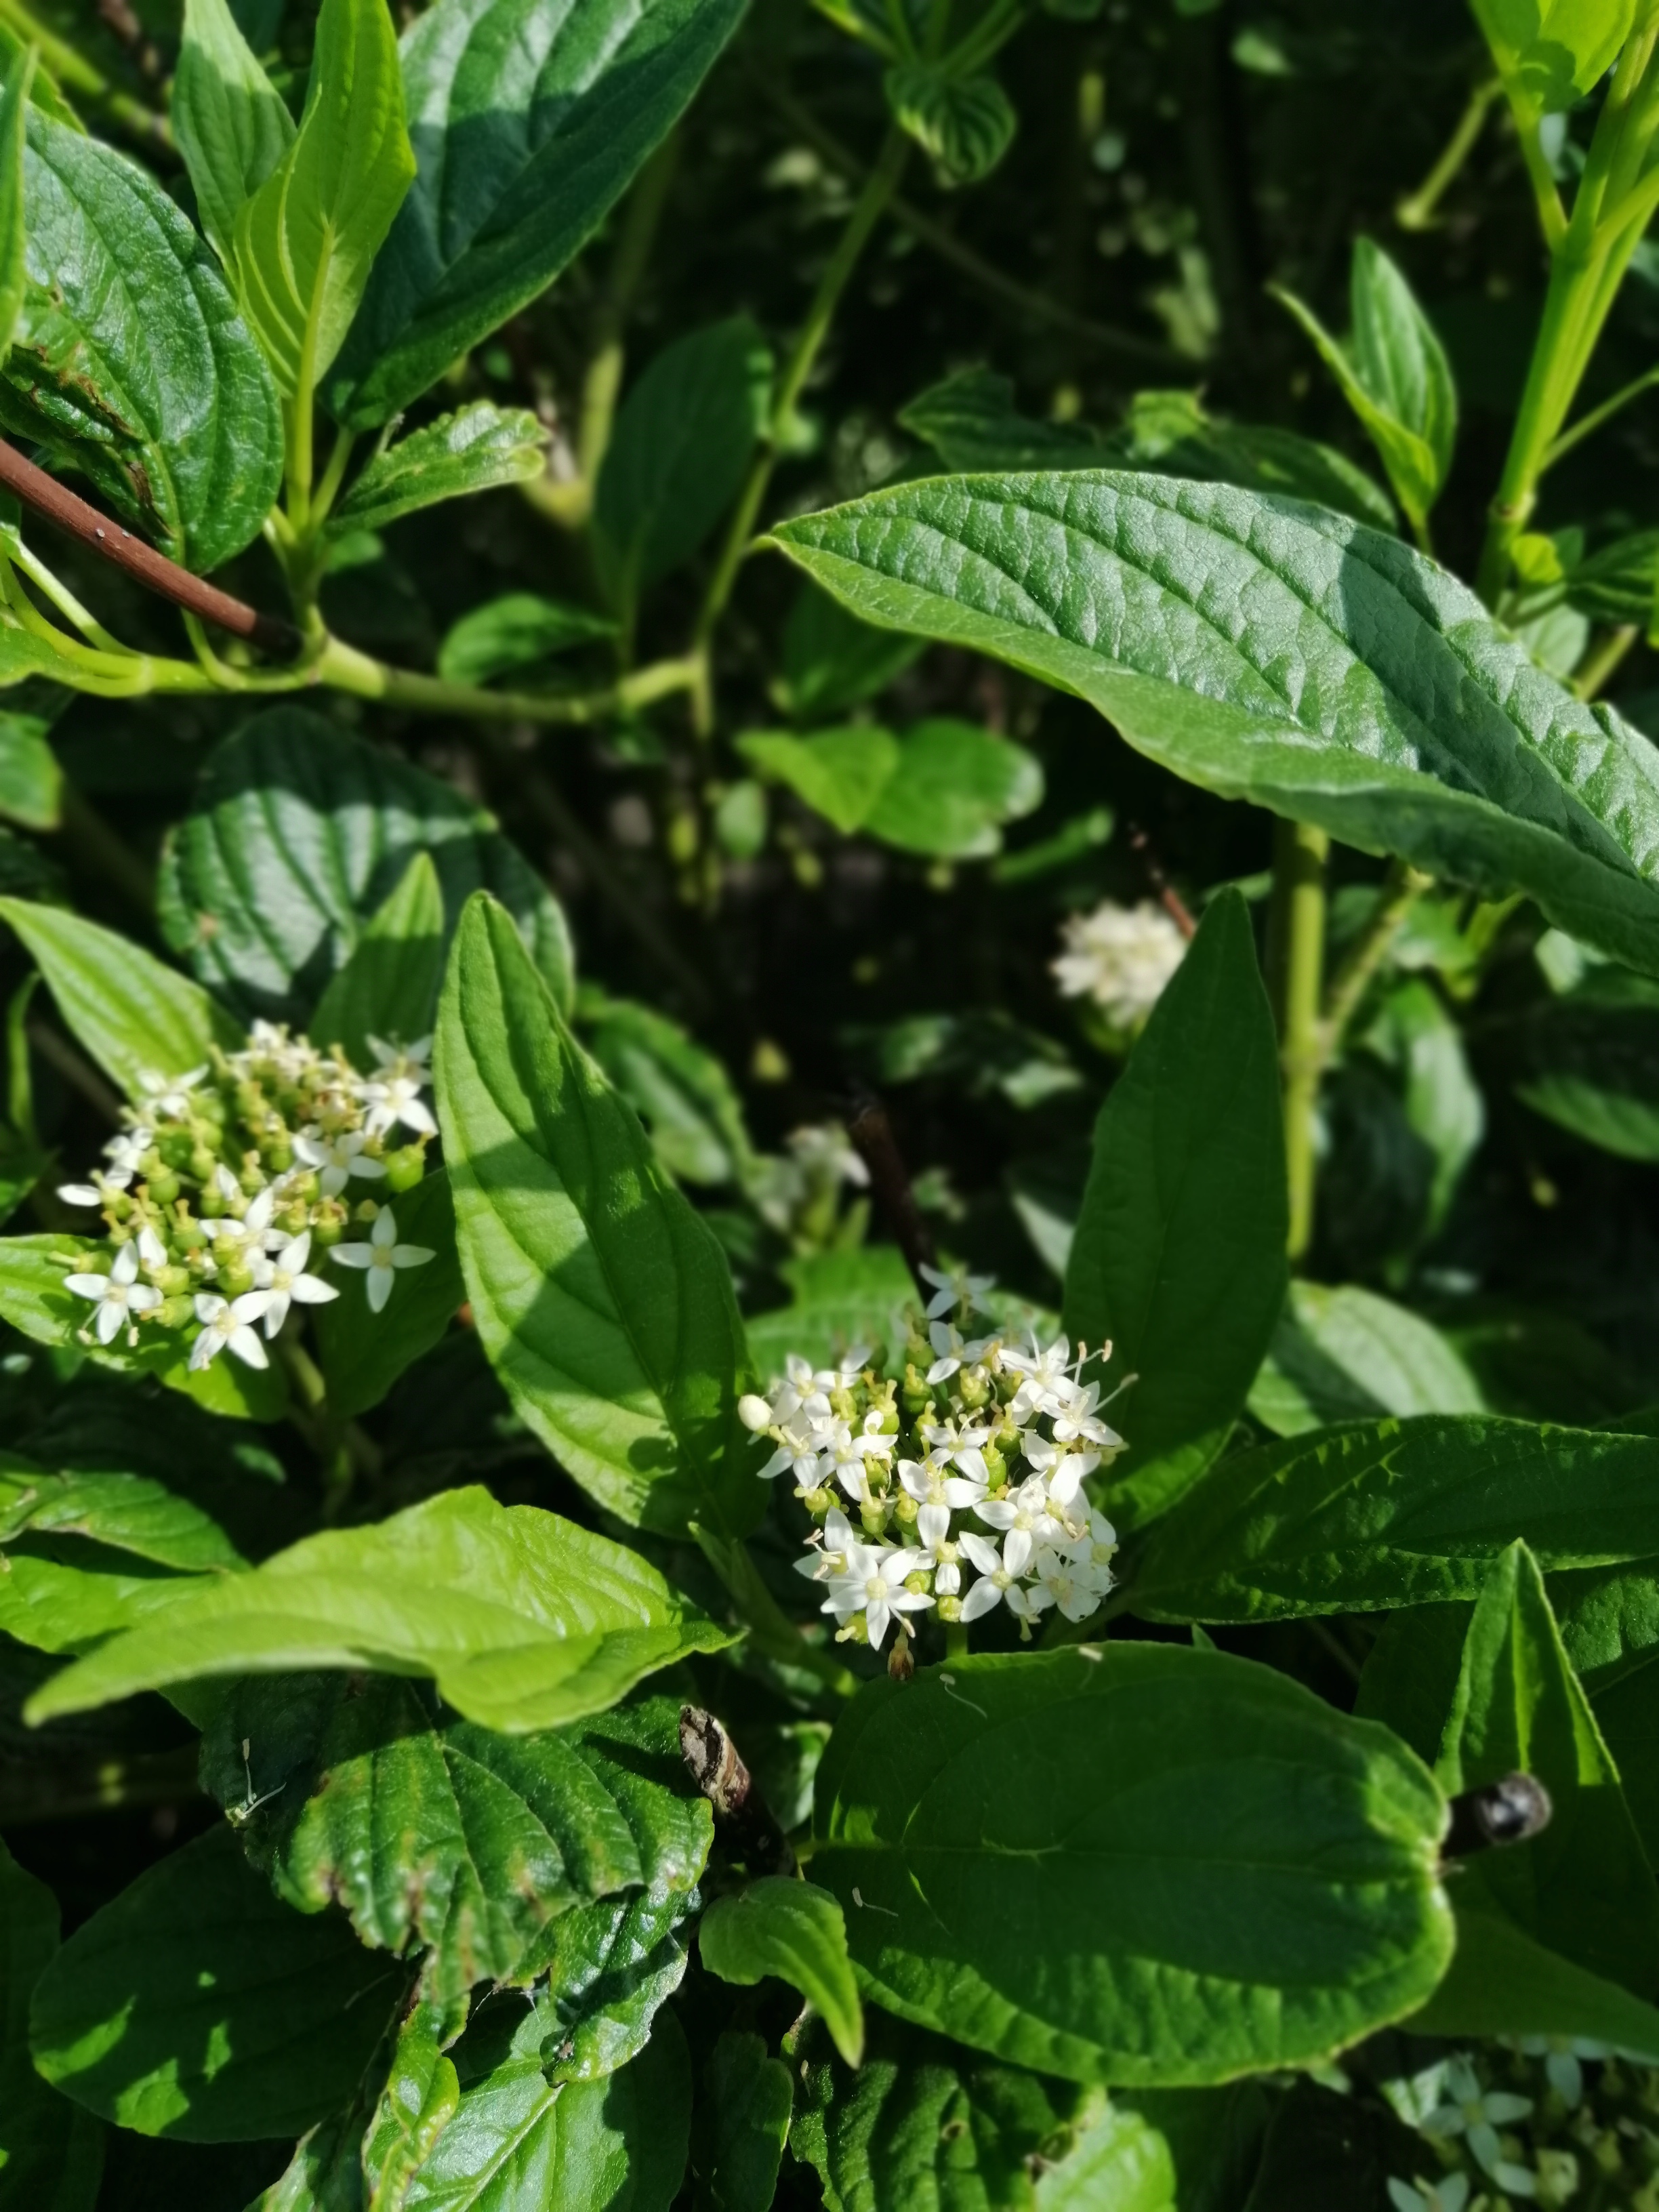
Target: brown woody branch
{"points": [[100, 535], [873, 1140]]}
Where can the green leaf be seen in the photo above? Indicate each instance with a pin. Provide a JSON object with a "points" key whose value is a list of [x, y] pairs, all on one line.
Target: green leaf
{"points": [[1343, 1354], [60, 1594], [1583, 1888], [1418, 727], [33, 1300], [363, 1352], [307, 239], [966, 123], [1378, 1514], [833, 662], [678, 451], [972, 420], [136, 1018], [481, 1849], [31, 781], [795, 1931], [1414, 1033], [299, 834], [1121, 2164], [1589, 1062], [476, 449], [679, 1089], [196, 2006], [1551, 53], [388, 987], [51, 2153], [422, 2095], [1249, 1876], [1178, 1261], [924, 2123], [524, 1620], [602, 1300], [515, 632], [611, 1966], [838, 773], [13, 232], [520, 2143], [744, 2110], [230, 121], [944, 789], [129, 362], [531, 125], [841, 1299], [122, 1512], [1609, 1619], [1503, 1982]]}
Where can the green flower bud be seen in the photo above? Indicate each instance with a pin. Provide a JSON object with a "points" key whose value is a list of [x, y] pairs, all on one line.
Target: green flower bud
{"points": [[329, 1228], [163, 1189], [253, 1177], [949, 1608], [906, 1509], [874, 1519], [210, 1202], [857, 1631], [174, 1148], [919, 1583], [405, 1168], [277, 1154], [234, 1282], [202, 1163], [172, 1281], [172, 1313], [817, 1502]]}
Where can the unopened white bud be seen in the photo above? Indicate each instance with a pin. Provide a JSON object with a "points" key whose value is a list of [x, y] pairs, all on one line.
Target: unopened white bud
{"points": [[754, 1412]]}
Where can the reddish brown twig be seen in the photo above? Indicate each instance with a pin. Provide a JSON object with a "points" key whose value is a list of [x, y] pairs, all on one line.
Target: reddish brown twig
{"points": [[871, 1133], [153, 570], [1165, 892]]}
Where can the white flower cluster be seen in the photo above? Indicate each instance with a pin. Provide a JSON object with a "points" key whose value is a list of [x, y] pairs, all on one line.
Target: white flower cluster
{"points": [[973, 1462], [227, 1179], [1120, 957]]}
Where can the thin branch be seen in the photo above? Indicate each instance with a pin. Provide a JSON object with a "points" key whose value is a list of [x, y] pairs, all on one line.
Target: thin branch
{"points": [[1165, 892], [100, 535], [871, 1133]]}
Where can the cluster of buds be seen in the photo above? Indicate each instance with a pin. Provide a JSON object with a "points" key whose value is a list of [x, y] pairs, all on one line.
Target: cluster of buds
{"points": [[229, 1183], [955, 1487]]}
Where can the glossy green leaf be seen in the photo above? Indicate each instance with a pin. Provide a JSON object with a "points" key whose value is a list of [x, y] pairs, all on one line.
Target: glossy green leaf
{"points": [[198, 2006], [794, 1932], [128, 1513], [944, 789], [363, 1352], [14, 233], [422, 2095], [524, 1620], [136, 1018], [1271, 653], [528, 123], [31, 781], [307, 239], [476, 449], [1178, 1259], [1609, 1619], [129, 362], [1503, 1982], [1395, 375], [481, 1849], [678, 451], [682, 1093], [51, 2153], [1249, 1876], [520, 2143], [231, 124], [966, 123], [610, 1968], [299, 834], [33, 1300], [831, 661], [1552, 52], [44, 91], [1584, 1887], [516, 632], [1378, 1514], [604, 1302], [747, 2100], [388, 987], [924, 2123], [1344, 1353], [59, 1594], [1119, 2163]]}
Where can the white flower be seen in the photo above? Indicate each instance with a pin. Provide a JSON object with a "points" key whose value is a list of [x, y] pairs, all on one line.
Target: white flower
{"points": [[1047, 1386], [229, 1327], [1076, 1422], [1478, 2114], [392, 1061], [955, 1287], [847, 1456], [380, 1255], [282, 1277], [1093, 1552], [1561, 2055], [961, 1443], [937, 1551], [169, 1095], [1449, 2194], [397, 1099], [929, 1485], [245, 1239], [755, 1413], [872, 1583], [121, 1296], [998, 1575], [1026, 1512], [1073, 1587], [1062, 1469], [951, 1352], [336, 1158], [797, 1454], [829, 1547], [1120, 956]]}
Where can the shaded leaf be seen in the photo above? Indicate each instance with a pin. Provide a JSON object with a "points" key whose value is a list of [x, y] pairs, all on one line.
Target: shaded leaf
{"points": [[363, 1352], [1343, 1353], [967, 124], [678, 1089], [51, 2153], [31, 781], [794, 1930], [388, 987], [832, 661], [746, 2112], [515, 632]]}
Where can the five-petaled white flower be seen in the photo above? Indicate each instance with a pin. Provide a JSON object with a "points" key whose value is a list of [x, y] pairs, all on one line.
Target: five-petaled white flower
{"points": [[937, 1551], [1026, 1511], [281, 1274], [398, 1098], [336, 1158], [828, 1548], [1477, 2114], [121, 1298], [929, 1485], [1046, 1383], [999, 1576], [954, 1288], [1561, 2055], [169, 1095], [396, 1060], [952, 1353], [872, 1583], [380, 1255], [228, 1325], [244, 1237]]}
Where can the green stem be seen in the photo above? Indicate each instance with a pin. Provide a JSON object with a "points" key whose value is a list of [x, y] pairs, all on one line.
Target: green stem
{"points": [[96, 843], [1298, 931], [20, 1080], [333, 477], [1587, 425], [1403, 887], [1418, 211], [1605, 662], [603, 382], [343, 668], [77, 74], [867, 210], [956, 1639]]}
